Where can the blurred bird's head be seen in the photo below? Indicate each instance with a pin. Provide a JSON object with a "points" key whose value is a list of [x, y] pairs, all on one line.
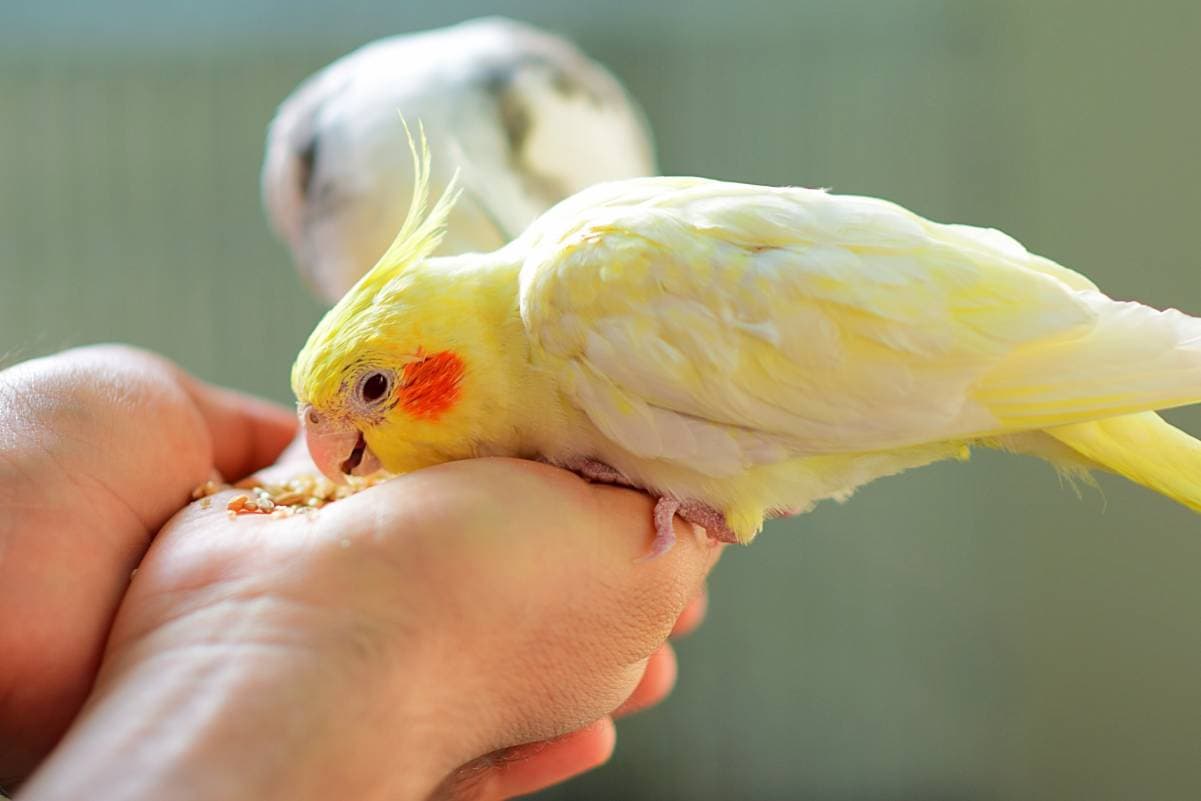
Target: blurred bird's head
{"points": [[382, 381], [514, 105]]}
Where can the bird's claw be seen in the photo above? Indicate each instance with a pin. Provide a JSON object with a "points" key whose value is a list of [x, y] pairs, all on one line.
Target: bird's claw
{"points": [[665, 532], [709, 520]]}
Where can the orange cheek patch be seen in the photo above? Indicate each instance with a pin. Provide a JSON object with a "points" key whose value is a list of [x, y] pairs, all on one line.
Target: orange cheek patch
{"points": [[431, 386]]}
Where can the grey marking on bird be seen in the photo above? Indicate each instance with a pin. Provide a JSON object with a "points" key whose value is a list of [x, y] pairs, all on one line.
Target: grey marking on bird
{"points": [[307, 162], [515, 120], [565, 83]]}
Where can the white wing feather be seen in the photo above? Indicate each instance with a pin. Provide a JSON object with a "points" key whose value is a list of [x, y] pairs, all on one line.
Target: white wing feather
{"points": [[723, 326]]}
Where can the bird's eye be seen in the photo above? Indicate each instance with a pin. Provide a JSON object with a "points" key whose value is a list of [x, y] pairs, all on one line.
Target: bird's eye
{"points": [[374, 387]]}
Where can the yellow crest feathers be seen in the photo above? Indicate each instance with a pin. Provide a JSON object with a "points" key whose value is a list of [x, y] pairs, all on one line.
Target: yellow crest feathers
{"points": [[345, 325], [422, 230]]}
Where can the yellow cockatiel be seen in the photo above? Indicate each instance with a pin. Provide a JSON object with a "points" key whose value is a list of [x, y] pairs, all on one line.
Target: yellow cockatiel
{"points": [[741, 352]]}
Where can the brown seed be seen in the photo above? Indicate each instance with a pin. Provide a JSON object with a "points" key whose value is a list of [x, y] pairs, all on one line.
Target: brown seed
{"points": [[305, 493], [206, 489]]}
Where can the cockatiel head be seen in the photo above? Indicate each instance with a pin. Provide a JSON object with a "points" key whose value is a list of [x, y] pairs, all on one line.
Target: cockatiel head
{"points": [[383, 379]]}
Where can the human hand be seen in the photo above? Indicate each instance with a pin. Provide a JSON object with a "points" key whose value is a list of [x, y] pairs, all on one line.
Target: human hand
{"points": [[99, 446], [376, 648], [534, 766]]}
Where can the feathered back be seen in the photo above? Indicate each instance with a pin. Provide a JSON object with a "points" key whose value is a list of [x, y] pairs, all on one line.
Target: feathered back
{"points": [[347, 324]]}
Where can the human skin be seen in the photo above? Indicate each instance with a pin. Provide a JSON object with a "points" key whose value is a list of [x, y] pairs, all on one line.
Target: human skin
{"points": [[98, 448], [401, 643]]}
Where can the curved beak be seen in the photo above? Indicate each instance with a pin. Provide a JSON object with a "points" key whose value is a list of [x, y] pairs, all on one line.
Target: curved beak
{"points": [[338, 448]]}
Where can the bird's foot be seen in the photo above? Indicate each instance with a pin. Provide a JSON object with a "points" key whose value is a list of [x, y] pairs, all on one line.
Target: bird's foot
{"points": [[598, 472], [665, 531], [711, 520]]}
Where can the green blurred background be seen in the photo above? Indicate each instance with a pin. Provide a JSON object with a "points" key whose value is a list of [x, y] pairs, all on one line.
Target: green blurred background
{"points": [[967, 631]]}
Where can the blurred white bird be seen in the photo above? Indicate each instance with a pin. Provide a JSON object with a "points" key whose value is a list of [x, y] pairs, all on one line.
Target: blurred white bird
{"points": [[526, 116]]}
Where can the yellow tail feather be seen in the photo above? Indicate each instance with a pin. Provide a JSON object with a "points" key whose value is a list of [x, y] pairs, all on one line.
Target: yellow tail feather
{"points": [[1145, 449]]}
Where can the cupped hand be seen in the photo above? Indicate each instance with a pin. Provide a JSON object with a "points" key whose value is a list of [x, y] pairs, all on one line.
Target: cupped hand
{"points": [[409, 640], [99, 446], [533, 766]]}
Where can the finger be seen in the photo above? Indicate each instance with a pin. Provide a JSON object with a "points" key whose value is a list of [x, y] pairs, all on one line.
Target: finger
{"points": [[620, 507], [293, 462], [247, 432], [692, 616], [665, 583], [656, 683], [528, 768]]}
